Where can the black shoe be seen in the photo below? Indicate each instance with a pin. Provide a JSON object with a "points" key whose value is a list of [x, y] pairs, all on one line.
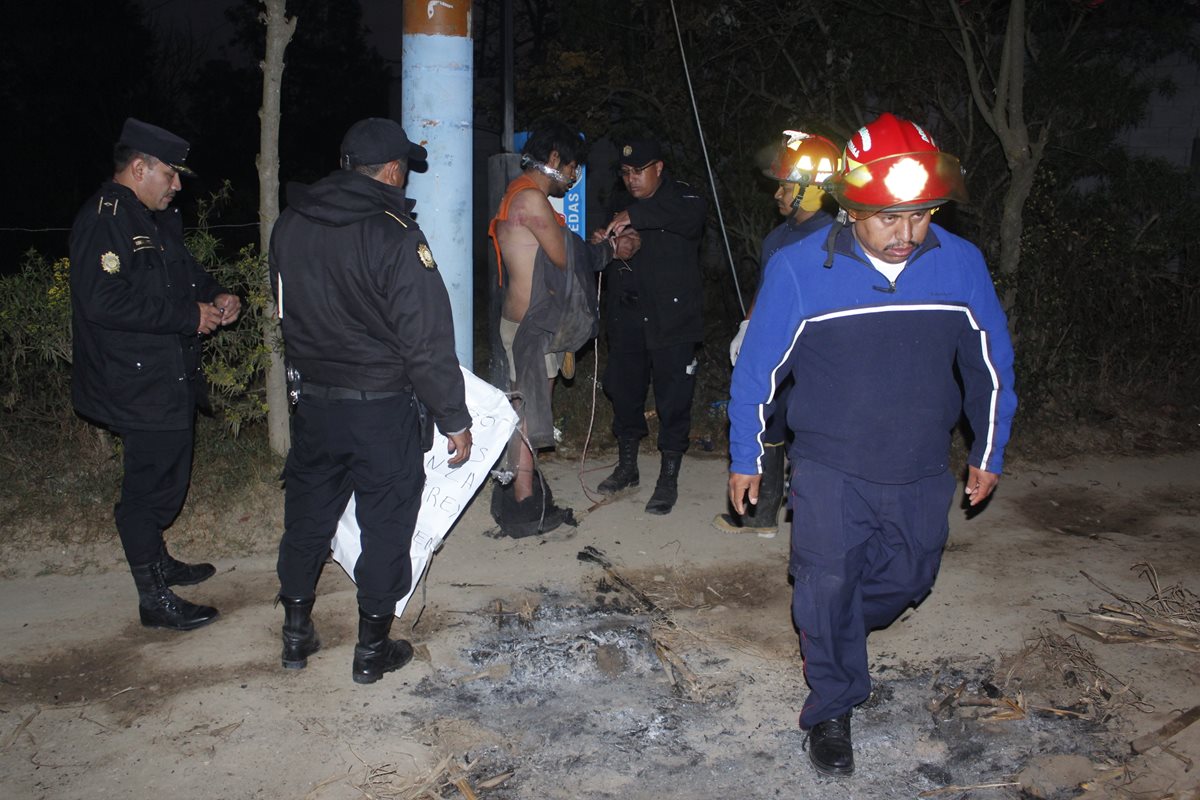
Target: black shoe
{"points": [[625, 476], [534, 515], [177, 573], [666, 491], [530, 519], [375, 653], [159, 607], [300, 638], [829, 747]]}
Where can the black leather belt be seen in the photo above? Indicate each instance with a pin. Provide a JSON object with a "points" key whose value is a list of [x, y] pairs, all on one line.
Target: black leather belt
{"points": [[342, 393]]}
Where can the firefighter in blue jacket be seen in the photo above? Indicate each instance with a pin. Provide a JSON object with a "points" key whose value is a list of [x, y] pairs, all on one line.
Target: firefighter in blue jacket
{"points": [[139, 304], [872, 322], [802, 163]]}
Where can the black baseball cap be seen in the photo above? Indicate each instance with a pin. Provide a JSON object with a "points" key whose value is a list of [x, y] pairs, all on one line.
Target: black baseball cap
{"points": [[158, 142], [639, 152], [376, 140]]}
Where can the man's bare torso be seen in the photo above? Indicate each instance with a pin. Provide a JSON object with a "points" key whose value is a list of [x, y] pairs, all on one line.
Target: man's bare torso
{"points": [[531, 224]]}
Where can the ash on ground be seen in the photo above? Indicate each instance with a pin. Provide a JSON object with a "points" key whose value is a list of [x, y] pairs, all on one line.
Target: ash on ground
{"points": [[575, 701]]}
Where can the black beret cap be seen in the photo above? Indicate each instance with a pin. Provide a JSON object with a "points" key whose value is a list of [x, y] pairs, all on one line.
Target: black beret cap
{"points": [[639, 152], [155, 141], [376, 140]]}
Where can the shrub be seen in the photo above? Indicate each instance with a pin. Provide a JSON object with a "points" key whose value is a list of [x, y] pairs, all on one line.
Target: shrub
{"points": [[78, 464], [35, 339], [236, 358], [1106, 298]]}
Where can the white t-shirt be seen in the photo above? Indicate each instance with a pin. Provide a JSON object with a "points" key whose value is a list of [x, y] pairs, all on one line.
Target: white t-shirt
{"points": [[891, 271]]}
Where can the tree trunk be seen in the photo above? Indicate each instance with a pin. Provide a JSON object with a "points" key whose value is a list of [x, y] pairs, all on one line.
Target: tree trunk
{"points": [[1004, 111], [279, 33], [1012, 224]]}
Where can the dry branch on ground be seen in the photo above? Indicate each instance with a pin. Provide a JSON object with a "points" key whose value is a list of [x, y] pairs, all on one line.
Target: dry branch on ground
{"points": [[445, 780], [1169, 618], [1051, 674]]}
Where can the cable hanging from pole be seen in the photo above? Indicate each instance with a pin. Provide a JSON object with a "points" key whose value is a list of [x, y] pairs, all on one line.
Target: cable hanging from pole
{"points": [[712, 181]]}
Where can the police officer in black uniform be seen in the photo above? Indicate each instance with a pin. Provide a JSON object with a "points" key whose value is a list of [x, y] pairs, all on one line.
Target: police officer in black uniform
{"points": [[367, 326], [139, 304], [654, 318]]}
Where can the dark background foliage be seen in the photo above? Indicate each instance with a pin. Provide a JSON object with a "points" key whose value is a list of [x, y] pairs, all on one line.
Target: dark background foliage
{"points": [[1103, 305]]}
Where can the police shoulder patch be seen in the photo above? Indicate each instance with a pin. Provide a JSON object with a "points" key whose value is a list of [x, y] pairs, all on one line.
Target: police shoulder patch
{"points": [[426, 256], [110, 262]]}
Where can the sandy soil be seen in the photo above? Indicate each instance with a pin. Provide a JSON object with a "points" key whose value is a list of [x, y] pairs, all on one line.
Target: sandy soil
{"points": [[674, 673]]}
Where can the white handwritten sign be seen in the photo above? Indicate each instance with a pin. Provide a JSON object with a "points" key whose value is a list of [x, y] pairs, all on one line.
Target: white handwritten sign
{"points": [[447, 489]]}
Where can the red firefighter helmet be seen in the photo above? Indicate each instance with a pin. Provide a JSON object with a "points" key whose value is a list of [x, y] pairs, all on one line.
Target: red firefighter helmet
{"points": [[893, 163], [804, 159]]}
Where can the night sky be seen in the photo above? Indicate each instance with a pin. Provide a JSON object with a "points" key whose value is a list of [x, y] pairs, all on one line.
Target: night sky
{"points": [[67, 88]]}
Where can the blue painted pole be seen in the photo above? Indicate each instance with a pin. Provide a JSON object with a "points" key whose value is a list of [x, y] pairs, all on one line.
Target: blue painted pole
{"points": [[437, 76]]}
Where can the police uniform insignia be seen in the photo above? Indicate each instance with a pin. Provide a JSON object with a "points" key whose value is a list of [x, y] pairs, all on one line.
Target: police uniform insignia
{"points": [[110, 262], [403, 224], [426, 256], [627, 150], [142, 243]]}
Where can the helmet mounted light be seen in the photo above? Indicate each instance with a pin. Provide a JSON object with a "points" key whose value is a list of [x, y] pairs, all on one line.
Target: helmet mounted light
{"points": [[803, 159]]}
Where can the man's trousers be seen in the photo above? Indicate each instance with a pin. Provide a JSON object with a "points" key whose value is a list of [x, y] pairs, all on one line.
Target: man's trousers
{"points": [[158, 468], [631, 369], [862, 553], [368, 447]]}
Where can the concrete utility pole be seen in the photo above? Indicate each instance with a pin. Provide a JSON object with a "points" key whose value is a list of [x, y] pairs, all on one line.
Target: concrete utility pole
{"points": [[437, 78]]}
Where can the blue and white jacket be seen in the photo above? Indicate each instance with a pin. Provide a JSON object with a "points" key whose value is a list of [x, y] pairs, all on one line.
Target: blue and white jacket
{"points": [[877, 392]]}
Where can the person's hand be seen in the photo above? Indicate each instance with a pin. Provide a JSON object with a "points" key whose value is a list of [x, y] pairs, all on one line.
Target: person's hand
{"points": [[597, 236], [980, 484], [460, 445], [620, 222], [230, 306], [739, 486], [628, 242], [735, 347], [210, 318]]}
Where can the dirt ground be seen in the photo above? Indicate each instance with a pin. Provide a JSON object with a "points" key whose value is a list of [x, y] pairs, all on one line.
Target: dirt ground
{"points": [[672, 673]]}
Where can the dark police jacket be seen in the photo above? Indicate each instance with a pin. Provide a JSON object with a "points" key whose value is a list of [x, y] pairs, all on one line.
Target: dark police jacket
{"points": [[662, 288], [134, 290], [362, 303]]}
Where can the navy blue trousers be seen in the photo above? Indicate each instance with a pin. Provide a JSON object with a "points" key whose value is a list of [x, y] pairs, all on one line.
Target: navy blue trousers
{"points": [[371, 448], [158, 468], [862, 553]]}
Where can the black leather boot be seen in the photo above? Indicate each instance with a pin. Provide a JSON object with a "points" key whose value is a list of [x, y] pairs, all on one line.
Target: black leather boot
{"points": [[300, 638], [159, 607], [666, 491], [375, 653], [829, 747], [762, 517], [626, 475], [177, 573]]}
